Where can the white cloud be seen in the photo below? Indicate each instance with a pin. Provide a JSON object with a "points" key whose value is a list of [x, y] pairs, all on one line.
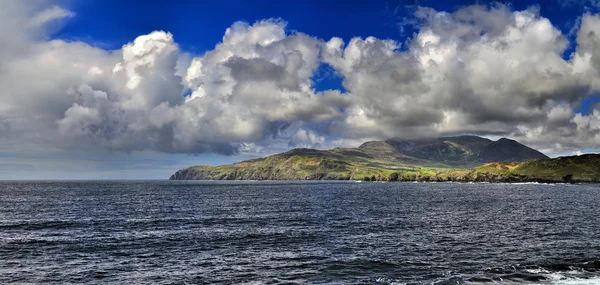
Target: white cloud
{"points": [[307, 138], [50, 14], [478, 70], [482, 70]]}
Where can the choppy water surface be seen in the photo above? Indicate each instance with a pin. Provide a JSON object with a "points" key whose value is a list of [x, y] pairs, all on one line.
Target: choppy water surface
{"points": [[161, 232]]}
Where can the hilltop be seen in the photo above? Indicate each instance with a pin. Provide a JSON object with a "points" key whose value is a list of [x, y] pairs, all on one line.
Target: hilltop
{"points": [[395, 159], [466, 151]]}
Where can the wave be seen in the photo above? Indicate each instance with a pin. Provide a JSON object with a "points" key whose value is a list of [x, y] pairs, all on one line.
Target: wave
{"points": [[582, 273], [37, 225], [519, 279]]}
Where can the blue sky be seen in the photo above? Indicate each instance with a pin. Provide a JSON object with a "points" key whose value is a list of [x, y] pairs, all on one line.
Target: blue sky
{"points": [[199, 25], [59, 131]]}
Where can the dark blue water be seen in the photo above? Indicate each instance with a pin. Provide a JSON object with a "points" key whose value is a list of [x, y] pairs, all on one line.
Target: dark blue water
{"points": [[161, 232]]}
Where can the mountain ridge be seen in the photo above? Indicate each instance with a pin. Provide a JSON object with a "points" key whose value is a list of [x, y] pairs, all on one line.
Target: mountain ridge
{"points": [[467, 151]]}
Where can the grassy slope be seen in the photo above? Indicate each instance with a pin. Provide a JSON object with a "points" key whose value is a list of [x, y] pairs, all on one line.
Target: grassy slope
{"points": [[584, 168], [371, 159]]}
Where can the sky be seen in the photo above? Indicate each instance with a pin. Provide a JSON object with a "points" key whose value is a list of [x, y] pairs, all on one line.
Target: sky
{"points": [[107, 89]]}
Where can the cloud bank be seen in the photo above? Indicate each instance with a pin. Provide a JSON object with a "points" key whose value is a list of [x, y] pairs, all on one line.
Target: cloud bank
{"points": [[484, 70]]}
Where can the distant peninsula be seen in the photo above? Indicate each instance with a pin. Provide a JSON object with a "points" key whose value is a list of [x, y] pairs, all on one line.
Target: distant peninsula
{"points": [[457, 159]]}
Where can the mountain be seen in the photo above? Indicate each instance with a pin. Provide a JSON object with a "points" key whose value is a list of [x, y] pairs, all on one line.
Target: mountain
{"points": [[376, 160], [505, 150], [466, 151]]}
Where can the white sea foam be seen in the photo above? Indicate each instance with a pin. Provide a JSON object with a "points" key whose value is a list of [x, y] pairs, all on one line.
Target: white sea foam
{"points": [[575, 281], [536, 271], [560, 280], [573, 277]]}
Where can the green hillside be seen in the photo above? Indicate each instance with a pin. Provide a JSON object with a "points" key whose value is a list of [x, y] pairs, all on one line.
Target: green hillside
{"points": [[465, 158], [368, 160], [584, 168]]}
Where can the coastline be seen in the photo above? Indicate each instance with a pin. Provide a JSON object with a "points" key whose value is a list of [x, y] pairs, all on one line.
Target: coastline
{"points": [[531, 181], [573, 169]]}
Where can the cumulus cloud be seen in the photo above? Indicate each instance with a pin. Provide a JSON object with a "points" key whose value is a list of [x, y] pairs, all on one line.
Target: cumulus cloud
{"points": [[477, 70], [252, 84], [480, 70]]}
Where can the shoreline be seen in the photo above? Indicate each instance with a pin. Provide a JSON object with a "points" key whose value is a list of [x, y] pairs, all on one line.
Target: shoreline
{"points": [[541, 182]]}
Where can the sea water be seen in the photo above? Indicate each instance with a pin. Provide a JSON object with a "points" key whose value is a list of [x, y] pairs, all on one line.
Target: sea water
{"points": [[177, 232]]}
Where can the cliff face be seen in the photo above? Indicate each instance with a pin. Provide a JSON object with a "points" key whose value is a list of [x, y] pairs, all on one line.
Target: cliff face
{"points": [[252, 174], [190, 174], [407, 161]]}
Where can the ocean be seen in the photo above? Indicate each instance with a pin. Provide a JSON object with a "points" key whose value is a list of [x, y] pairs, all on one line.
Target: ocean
{"points": [[206, 232]]}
